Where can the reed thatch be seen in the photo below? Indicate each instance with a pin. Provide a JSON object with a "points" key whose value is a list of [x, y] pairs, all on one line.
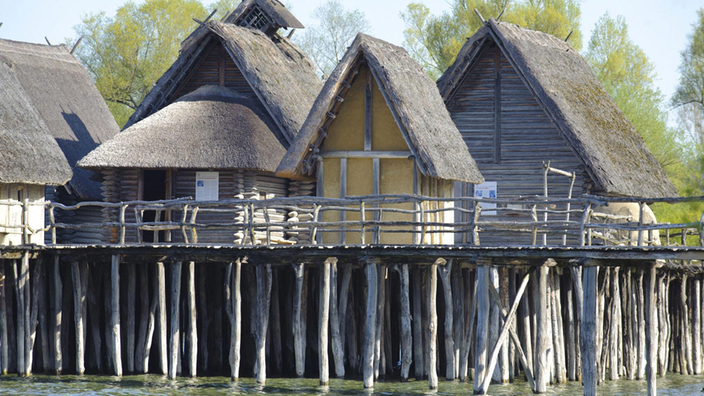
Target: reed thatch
{"points": [[279, 73], [65, 97], [413, 99], [210, 128], [29, 153], [614, 154], [280, 15]]}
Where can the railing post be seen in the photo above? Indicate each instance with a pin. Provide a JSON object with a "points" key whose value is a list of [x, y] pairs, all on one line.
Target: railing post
{"points": [[361, 222], [250, 222], [640, 223], [475, 227], [184, 216], [25, 220], [582, 227], [314, 230], [417, 239], [268, 226], [52, 224], [123, 208]]}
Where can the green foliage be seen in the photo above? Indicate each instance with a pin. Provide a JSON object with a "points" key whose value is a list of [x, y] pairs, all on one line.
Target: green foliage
{"points": [[629, 77], [127, 53], [326, 42], [434, 41]]}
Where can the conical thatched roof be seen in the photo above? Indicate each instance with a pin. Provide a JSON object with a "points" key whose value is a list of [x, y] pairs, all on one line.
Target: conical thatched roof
{"points": [[66, 99], [413, 99], [279, 14], [281, 76], [29, 152], [614, 154], [210, 128]]}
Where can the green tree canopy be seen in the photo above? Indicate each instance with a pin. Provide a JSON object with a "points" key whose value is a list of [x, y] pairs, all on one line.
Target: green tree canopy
{"points": [[327, 41], [434, 41], [127, 53], [629, 77]]}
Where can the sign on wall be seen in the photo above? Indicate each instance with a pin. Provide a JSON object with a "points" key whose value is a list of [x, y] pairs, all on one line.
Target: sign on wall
{"points": [[486, 190], [207, 186]]}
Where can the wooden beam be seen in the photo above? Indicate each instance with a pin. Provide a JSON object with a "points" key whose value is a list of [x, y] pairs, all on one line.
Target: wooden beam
{"points": [[4, 339], [263, 272], [417, 325], [368, 112], [366, 154], [497, 107], [482, 336], [343, 194]]}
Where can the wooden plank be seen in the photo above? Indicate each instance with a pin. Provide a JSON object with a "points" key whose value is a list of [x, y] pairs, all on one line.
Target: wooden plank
{"points": [[237, 313], [366, 154]]}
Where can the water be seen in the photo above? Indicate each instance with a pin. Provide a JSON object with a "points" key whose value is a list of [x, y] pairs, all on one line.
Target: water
{"points": [[673, 384]]}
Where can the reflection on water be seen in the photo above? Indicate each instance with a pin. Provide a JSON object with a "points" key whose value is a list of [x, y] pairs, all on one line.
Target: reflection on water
{"points": [[673, 384]]}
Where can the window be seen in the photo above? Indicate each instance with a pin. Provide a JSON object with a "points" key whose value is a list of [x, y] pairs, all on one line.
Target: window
{"points": [[207, 186], [256, 19]]}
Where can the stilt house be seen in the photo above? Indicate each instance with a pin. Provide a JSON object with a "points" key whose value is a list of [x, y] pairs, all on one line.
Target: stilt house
{"points": [[64, 96], [379, 126], [31, 160], [522, 99], [216, 124]]}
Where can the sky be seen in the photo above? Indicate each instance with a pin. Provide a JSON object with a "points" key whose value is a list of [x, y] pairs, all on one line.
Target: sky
{"points": [[659, 27]]}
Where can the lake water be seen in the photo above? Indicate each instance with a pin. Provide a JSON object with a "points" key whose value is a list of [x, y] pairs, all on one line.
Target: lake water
{"points": [[673, 384]]}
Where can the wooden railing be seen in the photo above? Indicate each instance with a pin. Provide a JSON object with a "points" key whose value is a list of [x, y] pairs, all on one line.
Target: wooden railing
{"points": [[560, 221]]}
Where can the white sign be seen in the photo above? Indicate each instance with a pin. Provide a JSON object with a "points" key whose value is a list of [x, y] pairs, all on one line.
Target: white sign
{"points": [[207, 186], [486, 190]]}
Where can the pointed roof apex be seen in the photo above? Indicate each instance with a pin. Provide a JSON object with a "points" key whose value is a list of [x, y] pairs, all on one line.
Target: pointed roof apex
{"points": [[265, 15], [414, 102]]}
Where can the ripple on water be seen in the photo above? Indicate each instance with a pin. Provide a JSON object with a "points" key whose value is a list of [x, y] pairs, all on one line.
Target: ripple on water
{"points": [[673, 385]]}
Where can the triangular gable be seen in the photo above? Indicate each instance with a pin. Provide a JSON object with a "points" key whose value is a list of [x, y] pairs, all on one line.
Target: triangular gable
{"points": [[613, 153], [411, 98], [272, 68]]}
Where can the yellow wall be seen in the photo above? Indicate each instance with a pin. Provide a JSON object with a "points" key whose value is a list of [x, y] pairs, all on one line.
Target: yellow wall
{"points": [[386, 135], [347, 130], [396, 177]]}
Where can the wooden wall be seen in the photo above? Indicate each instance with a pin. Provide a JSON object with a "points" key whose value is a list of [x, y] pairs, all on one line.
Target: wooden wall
{"points": [[510, 136], [11, 216]]}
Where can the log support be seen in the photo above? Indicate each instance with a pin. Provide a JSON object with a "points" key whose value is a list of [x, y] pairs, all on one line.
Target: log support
{"points": [[651, 332], [371, 270], [324, 322], [175, 330], [588, 331], [433, 324], [115, 344]]}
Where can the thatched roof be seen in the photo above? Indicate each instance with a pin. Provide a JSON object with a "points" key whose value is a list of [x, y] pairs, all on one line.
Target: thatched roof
{"points": [[210, 128], [29, 152], [413, 99], [614, 154], [273, 8], [66, 99], [279, 73]]}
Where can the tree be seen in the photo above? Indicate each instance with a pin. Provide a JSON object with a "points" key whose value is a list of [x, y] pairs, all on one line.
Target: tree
{"points": [[326, 42], [629, 77], [434, 41], [126, 54]]}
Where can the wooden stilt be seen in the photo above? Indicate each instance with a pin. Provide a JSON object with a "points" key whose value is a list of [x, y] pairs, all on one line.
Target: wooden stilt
{"points": [[116, 352], [557, 329], [263, 301], [503, 367], [56, 303], [34, 315], [445, 272], [417, 326], [588, 333], [371, 269], [161, 319], [131, 315], [482, 336], [469, 329], [151, 316], [494, 322], [141, 349], [192, 336], [4, 340], [576, 277], [299, 335], [337, 345], [503, 335], [542, 370], [202, 312], [175, 330], [512, 358], [524, 315], [697, 326], [652, 332], [93, 313], [406, 340], [640, 320], [275, 328], [379, 318], [343, 298], [458, 316], [237, 325], [324, 322], [433, 324], [21, 276]]}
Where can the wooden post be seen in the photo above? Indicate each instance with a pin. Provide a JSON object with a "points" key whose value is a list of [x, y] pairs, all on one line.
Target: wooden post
{"points": [[445, 272], [4, 340], [406, 339], [557, 329], [202, 311], [482, 336], [640, 292], [652, 333], [526, 323], [78, 316], [697, 326], [21, 276], [192, 336], [588, 333], [131, 314], [417, 325], [469, 329], [379, 318], [576, 277], [275, 326], [141, 359], [34, 315], [299, 300], [175, 331], [116, 351], [458, 317], [56, 289], [542, 371], [433, 324], [337, 345], [371, 269], [161, 288], [236, 332], [151, 315], [263, 301], [342, 312], [324, 322], [614, 363]]}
